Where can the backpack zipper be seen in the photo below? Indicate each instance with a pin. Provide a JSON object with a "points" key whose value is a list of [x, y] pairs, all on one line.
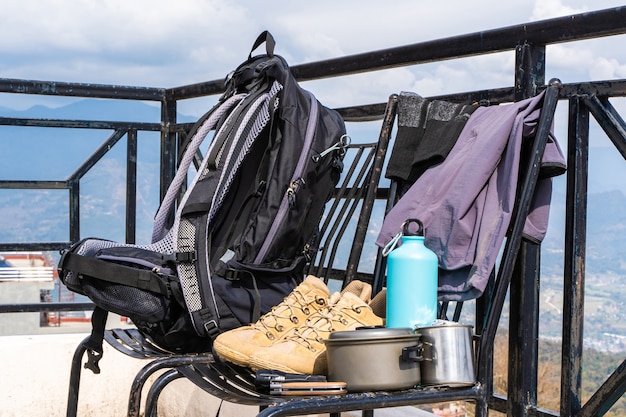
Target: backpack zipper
{"points": [[296, 180]]}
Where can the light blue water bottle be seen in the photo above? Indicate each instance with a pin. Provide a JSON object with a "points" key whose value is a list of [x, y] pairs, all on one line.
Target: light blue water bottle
{"points": [[412, 278]]}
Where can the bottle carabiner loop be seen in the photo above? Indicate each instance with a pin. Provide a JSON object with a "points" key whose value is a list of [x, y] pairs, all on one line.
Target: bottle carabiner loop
{"points": [[392, 244], [404, 231]]}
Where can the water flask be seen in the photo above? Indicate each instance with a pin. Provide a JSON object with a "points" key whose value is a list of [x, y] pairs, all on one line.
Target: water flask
{"points": [[412, 277]]}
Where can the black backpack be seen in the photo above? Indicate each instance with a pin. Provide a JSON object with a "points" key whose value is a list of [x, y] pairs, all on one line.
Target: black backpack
{"points": [[243, 231]]}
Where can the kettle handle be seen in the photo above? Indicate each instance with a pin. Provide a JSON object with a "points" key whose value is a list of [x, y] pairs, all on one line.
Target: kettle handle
{"points": [[433, 352]]}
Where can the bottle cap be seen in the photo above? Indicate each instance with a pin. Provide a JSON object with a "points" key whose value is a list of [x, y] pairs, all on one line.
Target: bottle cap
{"points": [[407, 232]]}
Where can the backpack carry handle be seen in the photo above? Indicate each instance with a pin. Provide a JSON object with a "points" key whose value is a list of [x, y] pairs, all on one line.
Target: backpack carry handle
{"points": [[266, 37]]}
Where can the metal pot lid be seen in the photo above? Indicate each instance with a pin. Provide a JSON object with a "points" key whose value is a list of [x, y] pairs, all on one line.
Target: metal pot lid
{"points": [[442, 323], [373, 333]]}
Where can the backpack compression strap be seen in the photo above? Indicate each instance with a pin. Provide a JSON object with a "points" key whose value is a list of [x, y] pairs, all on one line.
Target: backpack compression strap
{"points": [[144, 279], [94, 343]]}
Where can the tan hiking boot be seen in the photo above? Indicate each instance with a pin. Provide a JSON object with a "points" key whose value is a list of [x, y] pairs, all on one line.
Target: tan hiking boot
{"points": [[311, 295], [303, 350], [237, 345], [361, 289]]}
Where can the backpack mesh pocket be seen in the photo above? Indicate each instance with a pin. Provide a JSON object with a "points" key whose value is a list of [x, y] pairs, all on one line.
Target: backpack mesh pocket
{"points": [[134, 303]]}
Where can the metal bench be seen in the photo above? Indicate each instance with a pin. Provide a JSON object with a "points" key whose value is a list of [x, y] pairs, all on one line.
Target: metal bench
{"points": [[235, 384]]}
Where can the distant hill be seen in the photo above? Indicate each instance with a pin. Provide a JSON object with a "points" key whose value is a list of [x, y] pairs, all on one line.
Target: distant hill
{"points": [[597, 367], [54, 154], [93, 109]]}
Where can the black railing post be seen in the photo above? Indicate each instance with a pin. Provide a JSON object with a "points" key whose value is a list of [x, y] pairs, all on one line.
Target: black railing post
{"points": [[524, 332], [131, 186], [530, 70], [524, 287], [575, 255], [169, 157], [74, 201]]}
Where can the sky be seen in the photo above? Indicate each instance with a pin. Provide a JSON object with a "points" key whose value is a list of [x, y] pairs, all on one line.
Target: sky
{"points": [[158, 43], [173, 43]]}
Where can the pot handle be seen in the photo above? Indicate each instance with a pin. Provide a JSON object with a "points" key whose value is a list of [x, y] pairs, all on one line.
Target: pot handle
{"points": [[412, 353], [433, 352]]}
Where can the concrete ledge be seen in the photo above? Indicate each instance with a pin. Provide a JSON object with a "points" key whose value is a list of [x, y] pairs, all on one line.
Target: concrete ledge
{"points": [[35, 379]]}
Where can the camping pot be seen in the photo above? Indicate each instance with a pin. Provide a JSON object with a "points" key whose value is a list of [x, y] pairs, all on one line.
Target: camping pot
{"points": [[448, 356], [374, 358]]}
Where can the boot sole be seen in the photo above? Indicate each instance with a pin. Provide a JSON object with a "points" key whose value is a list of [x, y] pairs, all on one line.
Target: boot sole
{"points": [[257, 365], [232, 356]]}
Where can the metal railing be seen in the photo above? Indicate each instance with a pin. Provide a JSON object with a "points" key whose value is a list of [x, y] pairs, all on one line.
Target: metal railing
{"points": [[528, 41]]}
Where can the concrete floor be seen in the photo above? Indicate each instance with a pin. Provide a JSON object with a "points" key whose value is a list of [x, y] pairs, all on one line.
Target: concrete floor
{"points": [[35, 366], [35, 377]]}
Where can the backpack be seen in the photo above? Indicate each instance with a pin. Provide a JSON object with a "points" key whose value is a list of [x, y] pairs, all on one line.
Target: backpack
{"points": [[243, 231]]}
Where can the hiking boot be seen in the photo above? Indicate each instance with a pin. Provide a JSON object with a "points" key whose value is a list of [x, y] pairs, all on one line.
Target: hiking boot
{"points": [[361, 289], [302, 350], [237, 345], [311, 295]]}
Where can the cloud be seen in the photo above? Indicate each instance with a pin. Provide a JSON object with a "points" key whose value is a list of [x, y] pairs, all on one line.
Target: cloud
{"points": [[72, 39], [545, 9], [607, 69], [208, 34], [366, 88], [103, 25], [166, 44]]}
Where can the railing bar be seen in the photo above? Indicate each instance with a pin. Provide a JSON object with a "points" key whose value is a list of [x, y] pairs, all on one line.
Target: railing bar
{"points": [[74, 210], [39, 307], [550, 31], [607, 395], [98, 154], [56, 88], [371, 112], [79, 124], [614, 88], [34, 185], [30, 247], [498, 403], [574, 257], [610, 121]]}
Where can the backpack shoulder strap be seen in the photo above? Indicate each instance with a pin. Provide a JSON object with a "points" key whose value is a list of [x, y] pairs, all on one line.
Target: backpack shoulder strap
{"points": [[192, 230], [199, 132]]}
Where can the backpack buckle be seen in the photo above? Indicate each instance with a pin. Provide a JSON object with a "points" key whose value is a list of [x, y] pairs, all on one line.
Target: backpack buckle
{"points": [[231, 274], [180, 257], [93, 357], [211, 328]]}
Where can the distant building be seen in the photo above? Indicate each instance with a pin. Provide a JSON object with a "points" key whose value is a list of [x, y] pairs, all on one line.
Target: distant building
{"points": [[25, 266]]}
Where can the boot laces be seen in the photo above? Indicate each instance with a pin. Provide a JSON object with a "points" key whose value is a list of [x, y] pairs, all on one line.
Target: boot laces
{"points": [[327, 320], [286, 311]]}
